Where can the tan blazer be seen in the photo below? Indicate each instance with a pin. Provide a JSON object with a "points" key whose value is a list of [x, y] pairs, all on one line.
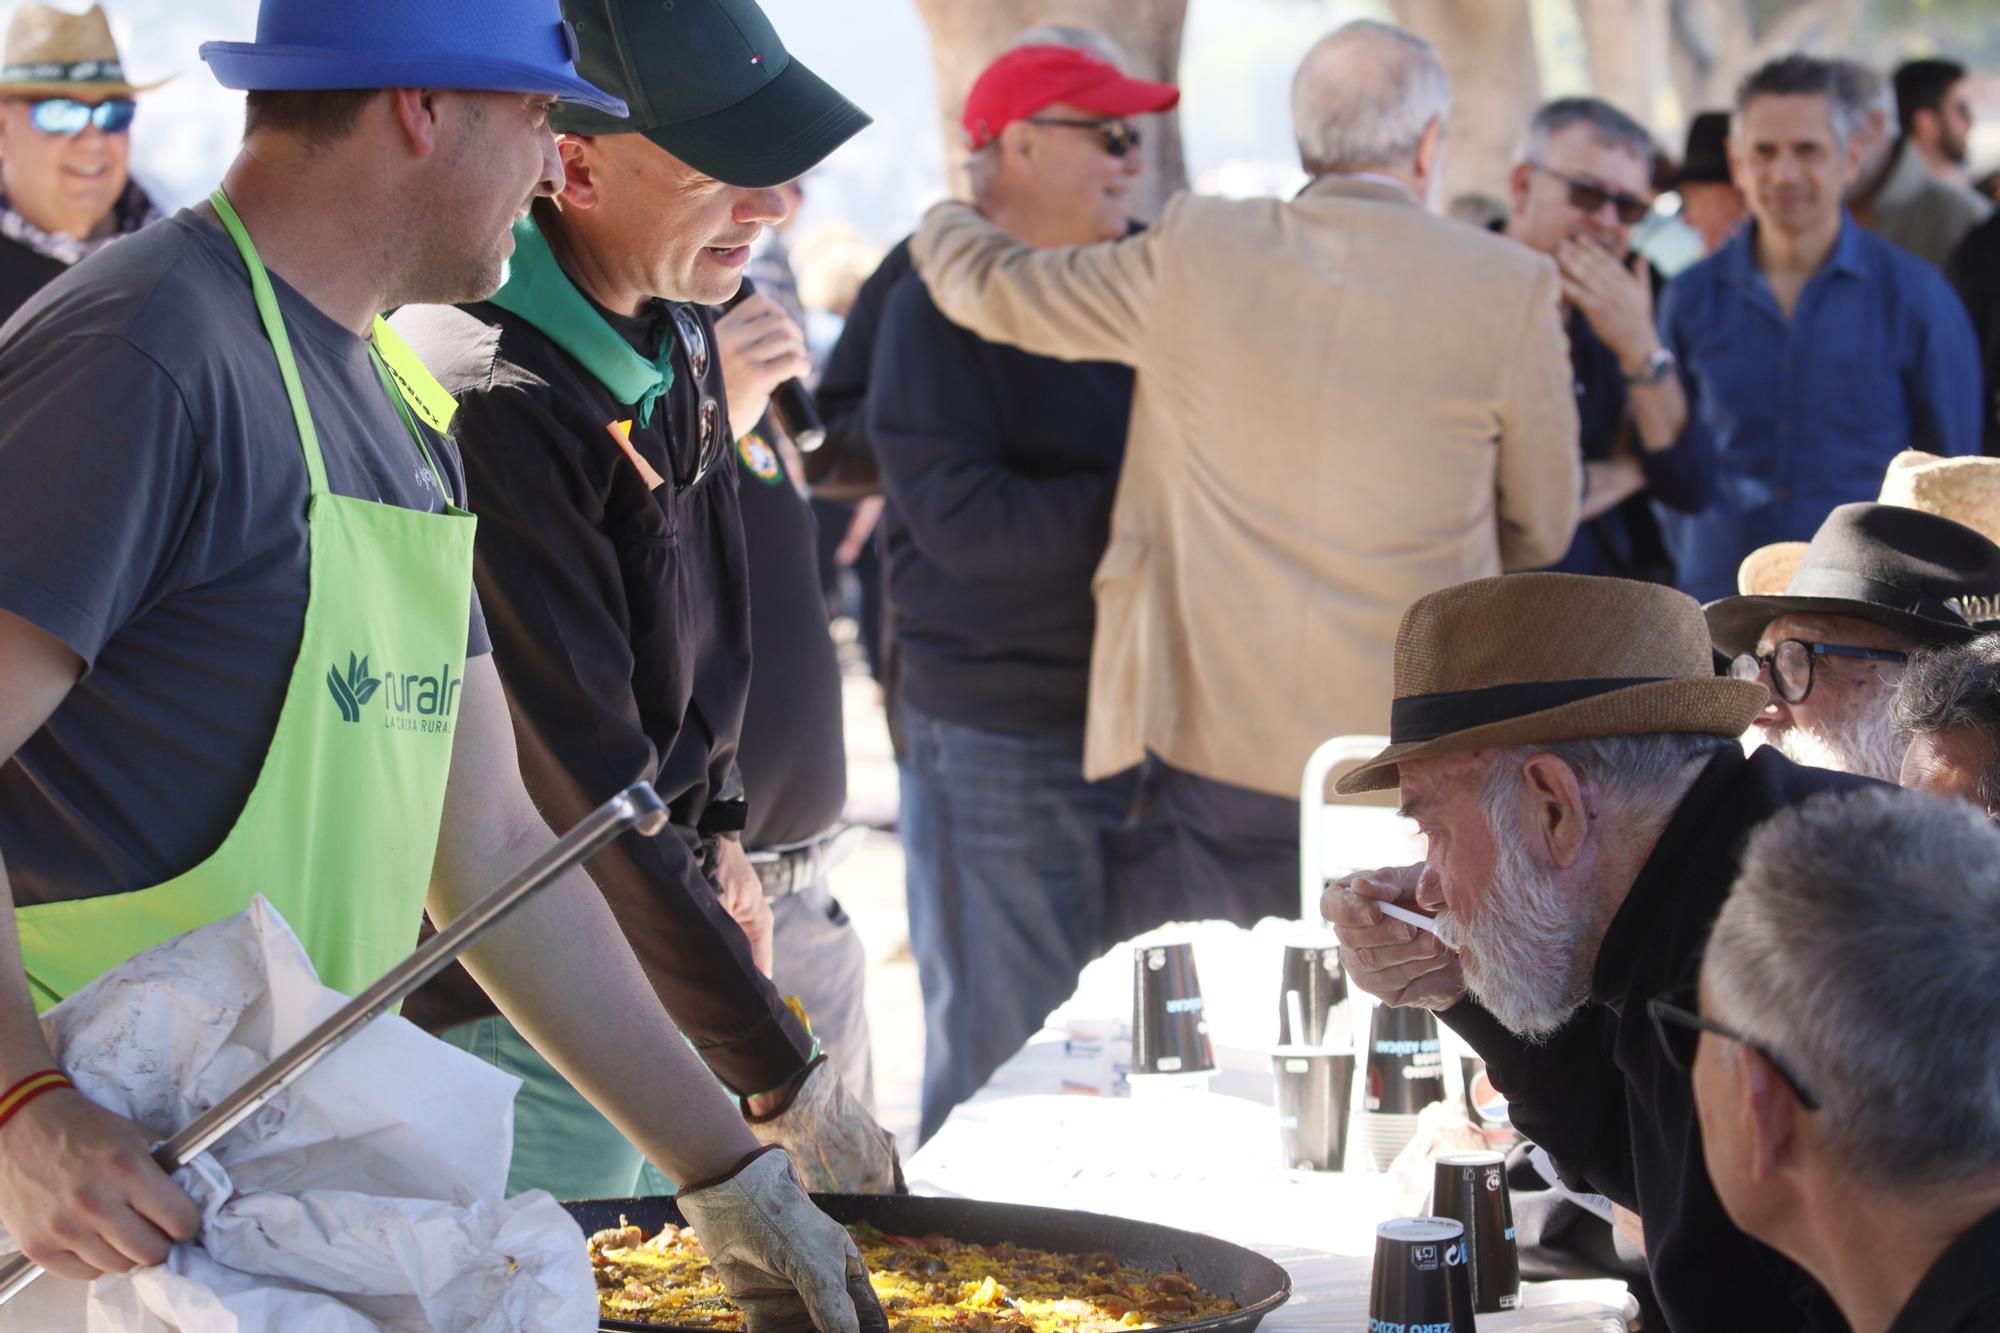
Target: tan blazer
{"points": [[1343, 403]]}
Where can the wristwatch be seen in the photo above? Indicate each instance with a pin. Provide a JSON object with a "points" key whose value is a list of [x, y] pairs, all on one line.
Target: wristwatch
{"points": [[1659, 364]]}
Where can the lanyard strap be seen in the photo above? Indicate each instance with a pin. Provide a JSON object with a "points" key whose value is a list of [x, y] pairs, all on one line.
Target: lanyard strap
{"points": [[288, 366]]}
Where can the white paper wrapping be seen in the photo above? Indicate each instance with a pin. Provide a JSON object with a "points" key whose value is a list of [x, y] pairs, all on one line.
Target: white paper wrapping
{"points": [[367, 1197]]}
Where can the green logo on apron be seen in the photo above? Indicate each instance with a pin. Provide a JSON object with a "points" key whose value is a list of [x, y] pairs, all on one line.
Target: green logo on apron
{"points": [[354, 690]]}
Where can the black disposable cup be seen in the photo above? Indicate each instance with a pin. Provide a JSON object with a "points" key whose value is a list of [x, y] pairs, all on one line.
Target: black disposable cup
{"points": [[1169, 1018], [1313, 1090], [1311, 972], [1420, 1278], [1484, 1103], [1471, 1189], [1405, 1062]]}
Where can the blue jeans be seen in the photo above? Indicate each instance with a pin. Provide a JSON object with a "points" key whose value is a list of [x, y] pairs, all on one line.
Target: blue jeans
{"points": [[1007, 877]]}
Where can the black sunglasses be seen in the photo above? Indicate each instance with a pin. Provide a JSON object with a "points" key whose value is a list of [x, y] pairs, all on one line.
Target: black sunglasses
{"points": [[1120, 136], [1679, 1029], [1792, 662], [688, 472], [1588, 197]]}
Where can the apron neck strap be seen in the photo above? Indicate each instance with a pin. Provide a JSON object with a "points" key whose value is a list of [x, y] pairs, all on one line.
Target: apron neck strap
{"points": [[281, 343]]}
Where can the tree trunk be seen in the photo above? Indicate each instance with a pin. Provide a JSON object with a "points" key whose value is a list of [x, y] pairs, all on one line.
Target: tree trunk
{"points": [[967, 34], [1488, 49], [1717, 42], [1627, 41]]}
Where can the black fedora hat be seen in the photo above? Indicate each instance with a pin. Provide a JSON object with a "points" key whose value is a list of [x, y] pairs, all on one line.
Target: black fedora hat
{"points": [[1707, 158], [1903, 569]]}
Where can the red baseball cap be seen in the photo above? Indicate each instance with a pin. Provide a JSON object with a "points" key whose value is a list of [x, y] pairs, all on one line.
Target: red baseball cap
{"points": [[1028, 78]]}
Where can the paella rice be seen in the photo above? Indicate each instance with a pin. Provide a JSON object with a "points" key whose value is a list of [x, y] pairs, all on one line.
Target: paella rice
{"points": [[928, 1284]]}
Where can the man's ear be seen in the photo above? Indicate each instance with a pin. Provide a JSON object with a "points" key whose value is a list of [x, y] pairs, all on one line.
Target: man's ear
{"points": [[1736, 166], [580, 162], [416, 113], [1519, 180], [1562, 819], [1773, 1115], [1430, 149]]}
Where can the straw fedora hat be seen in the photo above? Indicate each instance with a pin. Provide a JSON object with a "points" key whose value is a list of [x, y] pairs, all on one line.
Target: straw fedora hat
{"points": [[1534, 659], [51, 53], [1965, 490], [1920, 574]]}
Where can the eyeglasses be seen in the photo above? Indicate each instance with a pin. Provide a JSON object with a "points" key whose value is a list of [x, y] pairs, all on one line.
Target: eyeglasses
{"points": [[1588, 197], [1792, 663], [66, 116], [708, 416], [1120, 136], [1679, 1029]]}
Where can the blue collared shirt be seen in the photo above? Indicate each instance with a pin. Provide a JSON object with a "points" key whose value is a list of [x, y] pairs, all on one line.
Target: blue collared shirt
{"points": [[1788, 419]]}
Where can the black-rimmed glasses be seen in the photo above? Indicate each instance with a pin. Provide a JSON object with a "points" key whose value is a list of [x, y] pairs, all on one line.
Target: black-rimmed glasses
{"points": [[1120, 136], [688, 471], [1792, 662], [1679, 1029], [1588, 196]]}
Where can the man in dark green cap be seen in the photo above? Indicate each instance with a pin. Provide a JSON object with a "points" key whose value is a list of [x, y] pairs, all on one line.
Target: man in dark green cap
{"points": [[599, 433]]}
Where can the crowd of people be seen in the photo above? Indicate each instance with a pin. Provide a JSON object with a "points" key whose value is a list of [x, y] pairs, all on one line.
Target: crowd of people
{"points": [[1656, 586]]}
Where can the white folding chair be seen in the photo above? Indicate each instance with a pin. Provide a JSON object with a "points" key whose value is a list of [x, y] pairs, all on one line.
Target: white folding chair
{"points": [[1337, 839]]}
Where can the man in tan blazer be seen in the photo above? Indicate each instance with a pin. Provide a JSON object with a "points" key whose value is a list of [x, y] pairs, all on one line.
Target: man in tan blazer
{"points": [[1343, 403]]}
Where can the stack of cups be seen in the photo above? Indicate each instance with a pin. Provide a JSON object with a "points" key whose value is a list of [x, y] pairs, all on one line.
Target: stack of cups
{"points": [[1420, 1279], [1405, 1074], [1313, 1065], [1169, 1017], [1471, 1189]]}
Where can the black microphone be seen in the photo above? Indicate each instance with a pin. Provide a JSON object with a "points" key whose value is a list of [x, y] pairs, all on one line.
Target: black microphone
{"points": [[791, 402]]}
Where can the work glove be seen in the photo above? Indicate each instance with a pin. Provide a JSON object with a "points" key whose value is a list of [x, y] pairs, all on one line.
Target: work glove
{"points": [[789, 1267], [834, 1142]]}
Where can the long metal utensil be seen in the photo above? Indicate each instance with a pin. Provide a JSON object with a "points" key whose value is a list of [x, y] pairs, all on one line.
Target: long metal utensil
{"points": [[637, 807]]}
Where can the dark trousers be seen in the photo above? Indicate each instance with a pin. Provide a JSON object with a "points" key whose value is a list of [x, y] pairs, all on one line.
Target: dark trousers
{"points": [[1225, 853]]}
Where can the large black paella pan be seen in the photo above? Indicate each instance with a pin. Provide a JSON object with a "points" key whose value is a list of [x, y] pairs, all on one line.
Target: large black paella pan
{"points": [[1255, 1283]]}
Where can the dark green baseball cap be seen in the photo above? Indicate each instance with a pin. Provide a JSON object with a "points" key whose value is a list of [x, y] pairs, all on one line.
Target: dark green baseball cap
{"points": [[709, 81]]}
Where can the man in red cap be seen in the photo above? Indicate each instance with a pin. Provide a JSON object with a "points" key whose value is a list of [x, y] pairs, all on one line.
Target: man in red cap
{"points": [[999, 468]]}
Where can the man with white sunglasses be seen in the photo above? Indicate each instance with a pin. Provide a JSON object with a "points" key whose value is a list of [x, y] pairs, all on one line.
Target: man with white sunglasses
{"points": [[66, 114]]}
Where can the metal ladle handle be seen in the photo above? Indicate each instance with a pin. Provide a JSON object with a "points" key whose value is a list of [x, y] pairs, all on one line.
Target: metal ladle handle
{"points": [[637, 807]]}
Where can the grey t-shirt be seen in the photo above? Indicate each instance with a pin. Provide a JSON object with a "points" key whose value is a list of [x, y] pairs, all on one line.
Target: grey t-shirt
{"points": [[153, 518]]}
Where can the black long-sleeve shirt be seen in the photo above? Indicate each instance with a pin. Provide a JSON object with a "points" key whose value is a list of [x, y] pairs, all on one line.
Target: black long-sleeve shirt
{"points": [[1614, 1113], [621, 630], [843, 467], [23, 273], [1975, 271], [999, 467]]}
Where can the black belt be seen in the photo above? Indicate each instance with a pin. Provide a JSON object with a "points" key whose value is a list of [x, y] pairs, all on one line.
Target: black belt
{"points": [[788, 870]]}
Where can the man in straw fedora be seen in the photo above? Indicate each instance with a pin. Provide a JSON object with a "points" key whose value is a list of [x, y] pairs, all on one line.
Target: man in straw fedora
{"points": [[1566, 747], [1829, 625], [65, 142], [232, 517]]}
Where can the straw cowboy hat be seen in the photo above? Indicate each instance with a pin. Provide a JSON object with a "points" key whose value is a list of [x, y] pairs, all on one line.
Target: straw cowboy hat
{"points": [[51, 53], [1536, 659], [1965, 490], [1905, 569]]}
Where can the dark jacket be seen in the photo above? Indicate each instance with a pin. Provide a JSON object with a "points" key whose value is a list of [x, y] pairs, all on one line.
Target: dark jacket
{"points": [[1975, 271], [1614, 1113], [620, 622], [23, 272], [999, 467], [1961, 1293], [843, 468]]}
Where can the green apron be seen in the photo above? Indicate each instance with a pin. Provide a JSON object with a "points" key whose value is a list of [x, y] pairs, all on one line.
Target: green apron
{"points": [[341, 828]]}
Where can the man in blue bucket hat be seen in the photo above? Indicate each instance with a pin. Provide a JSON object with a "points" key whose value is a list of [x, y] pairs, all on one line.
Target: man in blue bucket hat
{"points": [[239, 642]]}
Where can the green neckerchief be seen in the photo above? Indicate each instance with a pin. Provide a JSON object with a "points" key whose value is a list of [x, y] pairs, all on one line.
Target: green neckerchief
{"points": [[540, 292]]}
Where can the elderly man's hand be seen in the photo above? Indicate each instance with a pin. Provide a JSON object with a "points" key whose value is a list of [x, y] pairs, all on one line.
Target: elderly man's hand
{"points": [[1397, 963]]}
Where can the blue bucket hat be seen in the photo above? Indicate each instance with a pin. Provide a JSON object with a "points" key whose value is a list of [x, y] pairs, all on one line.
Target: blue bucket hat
{"points": [[502, 46]]}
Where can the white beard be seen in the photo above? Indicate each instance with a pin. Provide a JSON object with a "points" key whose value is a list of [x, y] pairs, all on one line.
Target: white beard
{"points": [[1524, 955], [1872, 747]]}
